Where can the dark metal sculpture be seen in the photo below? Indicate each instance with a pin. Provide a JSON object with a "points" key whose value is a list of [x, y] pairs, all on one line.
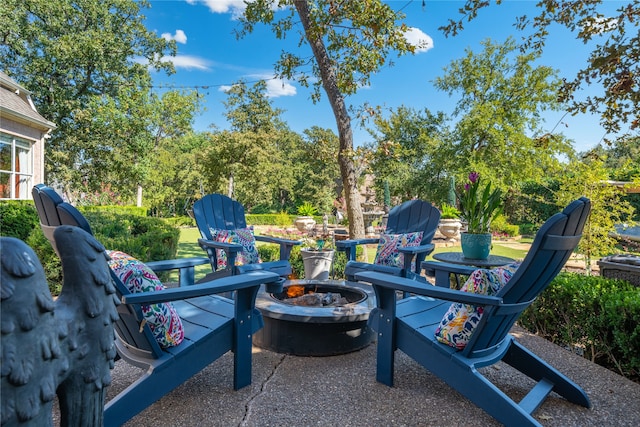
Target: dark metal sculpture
{"points": [[62, 347]]}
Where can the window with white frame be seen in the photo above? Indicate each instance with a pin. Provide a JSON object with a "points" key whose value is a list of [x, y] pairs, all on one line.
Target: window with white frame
{"points": [[16, 167]]}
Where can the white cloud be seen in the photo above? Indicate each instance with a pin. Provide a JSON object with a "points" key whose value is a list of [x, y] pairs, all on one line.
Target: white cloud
{"points": [[189, 62], [275, 87], [236, 7], [599, 24], [280, 87], [416, 37], [179, 36]]}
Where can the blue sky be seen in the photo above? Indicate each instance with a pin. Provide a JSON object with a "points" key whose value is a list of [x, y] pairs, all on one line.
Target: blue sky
{"points": [[210, 59]]}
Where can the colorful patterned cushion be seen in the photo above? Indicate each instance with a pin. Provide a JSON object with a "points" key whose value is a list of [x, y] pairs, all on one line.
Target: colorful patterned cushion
{"points": [[242, 236], [459, 322], [163, 319], [387, 253]]}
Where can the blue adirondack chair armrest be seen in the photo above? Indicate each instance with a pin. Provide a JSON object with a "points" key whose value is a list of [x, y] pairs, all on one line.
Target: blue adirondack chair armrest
{"points": [[419, 252], [413, 250], [349, 246], [428, 290], [225, 284], [176, 264], [285, 244], [186, 267], [442, 270], [278, 240], [232, 249]]}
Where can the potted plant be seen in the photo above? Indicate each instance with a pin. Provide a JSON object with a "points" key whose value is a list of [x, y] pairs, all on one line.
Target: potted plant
{"points": [[450, 223], [317, 255], [478, 206], [305, 221]]}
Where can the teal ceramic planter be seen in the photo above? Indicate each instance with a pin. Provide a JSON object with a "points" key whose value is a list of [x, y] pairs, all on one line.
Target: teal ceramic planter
{"points": [[475, 246]]}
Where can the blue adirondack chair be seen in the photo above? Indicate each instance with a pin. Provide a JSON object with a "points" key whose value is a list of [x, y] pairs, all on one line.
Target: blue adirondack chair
{"points": [[217, 211], [409, 325], [411, 216], [213, 325]]}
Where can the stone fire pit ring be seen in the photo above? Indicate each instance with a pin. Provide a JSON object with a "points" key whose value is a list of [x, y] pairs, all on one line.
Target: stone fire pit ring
{"points": [[315, 331]]}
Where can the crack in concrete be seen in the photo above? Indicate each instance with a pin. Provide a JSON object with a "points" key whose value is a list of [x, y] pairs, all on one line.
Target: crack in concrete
{"points": [[252, 398]]}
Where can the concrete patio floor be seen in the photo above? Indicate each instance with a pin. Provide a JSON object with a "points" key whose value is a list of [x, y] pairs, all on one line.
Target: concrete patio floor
{"points": [[342, 391]]}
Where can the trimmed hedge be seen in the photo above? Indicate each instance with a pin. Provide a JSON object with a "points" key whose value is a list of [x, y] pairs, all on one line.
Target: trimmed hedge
{"points": [[18, 218], [593, 316], [270, 219]]}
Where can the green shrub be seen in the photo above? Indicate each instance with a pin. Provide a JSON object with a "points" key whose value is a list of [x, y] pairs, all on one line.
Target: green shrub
{"points": [[501, 227], [145, 238], [18, 218], [597, 317], [283, 219]]}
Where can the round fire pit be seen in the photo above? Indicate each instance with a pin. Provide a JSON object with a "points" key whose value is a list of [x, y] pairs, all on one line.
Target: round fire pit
{"points": [[316, 318]]}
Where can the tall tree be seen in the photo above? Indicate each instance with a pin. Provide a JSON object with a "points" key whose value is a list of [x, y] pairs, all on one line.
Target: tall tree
{"points": [[316, 170], [407, 152], [500, 98], [78, 56], [250, 161], [350, 41], [614, 61]]}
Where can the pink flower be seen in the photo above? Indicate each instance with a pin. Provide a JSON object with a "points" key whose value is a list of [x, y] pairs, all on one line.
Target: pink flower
{"points": [[467, 186], [473, 176]]}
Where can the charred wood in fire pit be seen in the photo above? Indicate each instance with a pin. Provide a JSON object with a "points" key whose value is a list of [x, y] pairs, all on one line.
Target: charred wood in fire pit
{"points": [[320, 299]]}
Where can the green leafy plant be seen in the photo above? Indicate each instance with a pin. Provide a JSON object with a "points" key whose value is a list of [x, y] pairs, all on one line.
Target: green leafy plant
{"points": [[479, 206], [307, 209], [449, 212], [596, 317]]}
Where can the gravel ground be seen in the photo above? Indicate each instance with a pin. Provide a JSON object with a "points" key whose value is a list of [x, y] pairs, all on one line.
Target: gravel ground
{"points": [[342, 390]]}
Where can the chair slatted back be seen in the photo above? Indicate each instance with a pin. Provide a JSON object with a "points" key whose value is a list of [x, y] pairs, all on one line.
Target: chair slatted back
{"points": [[553, 245], [53, 212], [413, 216], [218, 211]]}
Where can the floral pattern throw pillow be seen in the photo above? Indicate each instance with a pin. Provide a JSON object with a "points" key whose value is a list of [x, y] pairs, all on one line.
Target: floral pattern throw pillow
{"points": [[163, 320], [460, 320], [242, 236], [387, 252]]}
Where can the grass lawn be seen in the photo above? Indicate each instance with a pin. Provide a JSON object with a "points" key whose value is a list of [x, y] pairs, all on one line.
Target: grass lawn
{"points": [[188, 247]]}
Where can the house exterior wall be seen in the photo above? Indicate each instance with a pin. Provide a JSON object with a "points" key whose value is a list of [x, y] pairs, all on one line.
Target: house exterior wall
{"points": [[23, 134], [37, 136]]}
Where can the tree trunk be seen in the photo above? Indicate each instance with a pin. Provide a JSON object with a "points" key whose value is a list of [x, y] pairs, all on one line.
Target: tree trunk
{"points": [[346, 153]]}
